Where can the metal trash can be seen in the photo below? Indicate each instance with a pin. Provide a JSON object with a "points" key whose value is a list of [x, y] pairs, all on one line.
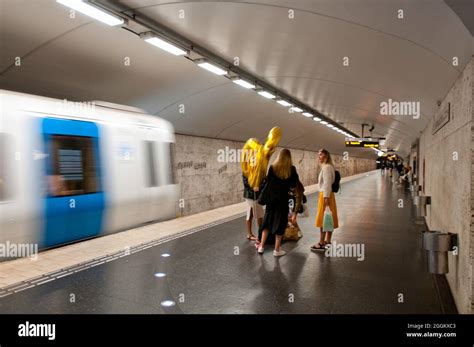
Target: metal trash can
{"points": [[438, 244], [420, 202]]}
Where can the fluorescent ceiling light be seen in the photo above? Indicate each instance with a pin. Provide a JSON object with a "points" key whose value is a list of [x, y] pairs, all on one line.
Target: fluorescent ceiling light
{"points": [[212, 68], [92, 11], [296, 109], [329, 125], [266, 94], [316, 119], [324, 122], [243, 83], [166, 46], [284, 103], [307, 114]]}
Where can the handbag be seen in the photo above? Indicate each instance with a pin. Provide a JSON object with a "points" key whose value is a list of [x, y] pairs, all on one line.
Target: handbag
{"points": [[292, 232], [328, 221]]}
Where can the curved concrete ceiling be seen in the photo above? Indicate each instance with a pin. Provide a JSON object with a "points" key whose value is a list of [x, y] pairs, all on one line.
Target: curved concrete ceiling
{"points": [[465, 10], [407, 59]]}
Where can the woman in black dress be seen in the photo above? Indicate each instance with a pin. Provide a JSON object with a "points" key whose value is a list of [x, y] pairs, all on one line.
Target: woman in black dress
{"points": [[282, 177]]}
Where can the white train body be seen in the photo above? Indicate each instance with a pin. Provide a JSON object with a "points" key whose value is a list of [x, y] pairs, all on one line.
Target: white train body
{"points": [[72, 171]]}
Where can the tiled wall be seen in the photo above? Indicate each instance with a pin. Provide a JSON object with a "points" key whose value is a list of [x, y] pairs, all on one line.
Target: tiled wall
{"points": [[448, 156], [206, 183], [472, 187]]}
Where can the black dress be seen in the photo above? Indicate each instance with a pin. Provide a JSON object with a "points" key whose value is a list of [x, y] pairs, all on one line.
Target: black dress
{"points": [[276, 214]]}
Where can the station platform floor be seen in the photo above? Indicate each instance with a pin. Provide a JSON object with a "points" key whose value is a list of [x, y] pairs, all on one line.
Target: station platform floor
{"points": [[208, 266]]}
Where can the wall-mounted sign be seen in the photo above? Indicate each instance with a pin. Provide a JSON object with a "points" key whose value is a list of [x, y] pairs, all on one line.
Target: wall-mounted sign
{"points": [[442, 118]]}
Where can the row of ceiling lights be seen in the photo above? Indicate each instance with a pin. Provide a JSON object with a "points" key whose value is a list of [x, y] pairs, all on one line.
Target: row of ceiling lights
{"points": [[153, 39]]}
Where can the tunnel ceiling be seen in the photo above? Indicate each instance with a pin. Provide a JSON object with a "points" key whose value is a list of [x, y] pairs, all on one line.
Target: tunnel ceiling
{"points": [[465, 10], [409, 59]]}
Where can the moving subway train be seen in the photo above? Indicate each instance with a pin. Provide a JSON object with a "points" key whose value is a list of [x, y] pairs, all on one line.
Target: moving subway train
{"points": [[70, 171]]}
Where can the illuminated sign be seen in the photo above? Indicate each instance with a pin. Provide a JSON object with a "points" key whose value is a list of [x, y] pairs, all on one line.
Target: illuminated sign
{"points": [[362, 142], [354, 144], [371, 144]]}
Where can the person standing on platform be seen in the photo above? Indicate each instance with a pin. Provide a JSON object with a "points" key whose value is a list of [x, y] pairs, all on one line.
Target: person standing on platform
{"points": [[281, 178], [254, 209], [326, 178]]}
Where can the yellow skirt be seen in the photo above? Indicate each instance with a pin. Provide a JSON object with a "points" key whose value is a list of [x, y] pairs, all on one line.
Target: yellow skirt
{"points": [[332, 207]]}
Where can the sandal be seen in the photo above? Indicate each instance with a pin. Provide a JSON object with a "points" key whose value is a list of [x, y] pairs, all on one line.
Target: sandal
{"points": [[318, 247], [251, 237]]}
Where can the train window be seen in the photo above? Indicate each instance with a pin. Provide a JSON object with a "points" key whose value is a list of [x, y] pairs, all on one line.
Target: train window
{"points": [[73, 169], [170, 149], [4, 193], [150, 164]]}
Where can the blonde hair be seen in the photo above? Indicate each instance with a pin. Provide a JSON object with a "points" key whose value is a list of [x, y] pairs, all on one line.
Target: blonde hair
{"points": [[282, 165], [327, 155]]}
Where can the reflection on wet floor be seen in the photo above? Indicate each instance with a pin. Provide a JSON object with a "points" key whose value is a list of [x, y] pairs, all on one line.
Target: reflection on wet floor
{"points": [[218, 270]]}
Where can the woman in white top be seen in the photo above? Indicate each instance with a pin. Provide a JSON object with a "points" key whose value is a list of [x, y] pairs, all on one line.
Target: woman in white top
{"points": [[326, 198]]}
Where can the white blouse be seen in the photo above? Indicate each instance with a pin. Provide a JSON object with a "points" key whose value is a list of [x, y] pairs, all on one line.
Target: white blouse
{"points": [[326, 179]]}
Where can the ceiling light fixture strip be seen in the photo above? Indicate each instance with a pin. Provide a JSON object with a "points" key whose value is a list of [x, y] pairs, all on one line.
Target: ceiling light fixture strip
{"points": [[179, 45], [96, 11]]}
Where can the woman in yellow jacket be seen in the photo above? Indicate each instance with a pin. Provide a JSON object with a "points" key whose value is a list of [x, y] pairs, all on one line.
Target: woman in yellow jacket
{"points": [[326, 198]]}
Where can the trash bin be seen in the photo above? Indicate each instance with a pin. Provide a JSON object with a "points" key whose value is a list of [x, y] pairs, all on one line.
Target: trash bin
{"points": [[438, 244], [420, 202]]}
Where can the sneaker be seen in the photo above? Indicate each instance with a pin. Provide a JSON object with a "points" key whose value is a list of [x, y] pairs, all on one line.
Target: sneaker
{"points": [[279, 254], [260, 250]]}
